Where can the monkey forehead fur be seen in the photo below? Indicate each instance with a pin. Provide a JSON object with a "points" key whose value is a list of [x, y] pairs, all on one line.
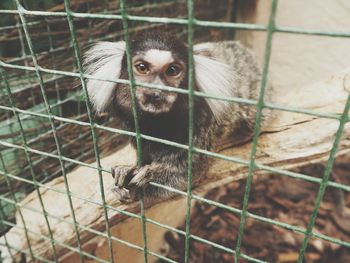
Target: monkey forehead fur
{"points": [[159, 41], [222, 69]]}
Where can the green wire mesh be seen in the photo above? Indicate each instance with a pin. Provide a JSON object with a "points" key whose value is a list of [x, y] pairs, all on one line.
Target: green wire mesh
{"points": [[38, 74]]}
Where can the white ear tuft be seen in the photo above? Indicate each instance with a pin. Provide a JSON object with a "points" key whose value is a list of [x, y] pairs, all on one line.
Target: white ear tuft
{"points": [[103, 61], [214, 78]]}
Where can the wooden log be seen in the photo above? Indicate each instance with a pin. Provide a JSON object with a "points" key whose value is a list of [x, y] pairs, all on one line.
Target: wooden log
{"points": [[292, 140]]}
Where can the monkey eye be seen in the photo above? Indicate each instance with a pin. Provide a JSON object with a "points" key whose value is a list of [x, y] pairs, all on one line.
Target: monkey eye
{"points": [[142, 68], [173, 70]]}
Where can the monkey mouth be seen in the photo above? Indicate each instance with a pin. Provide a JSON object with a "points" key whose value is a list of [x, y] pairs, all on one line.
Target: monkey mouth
{"points": [[155, 102]]}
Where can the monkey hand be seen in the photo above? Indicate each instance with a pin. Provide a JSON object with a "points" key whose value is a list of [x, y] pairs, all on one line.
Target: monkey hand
{"points": [[129, 181]]}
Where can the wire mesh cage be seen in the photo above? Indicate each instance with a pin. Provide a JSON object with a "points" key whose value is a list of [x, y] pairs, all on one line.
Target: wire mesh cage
{"points": [[52, 46], [47, 127]]}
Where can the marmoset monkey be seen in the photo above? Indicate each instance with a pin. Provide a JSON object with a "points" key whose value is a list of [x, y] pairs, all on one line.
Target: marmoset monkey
{"points": [[224, 69]]}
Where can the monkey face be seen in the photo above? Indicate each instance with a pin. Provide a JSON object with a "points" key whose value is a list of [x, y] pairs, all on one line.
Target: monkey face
{"points": [[157, 58], [157, 67]]}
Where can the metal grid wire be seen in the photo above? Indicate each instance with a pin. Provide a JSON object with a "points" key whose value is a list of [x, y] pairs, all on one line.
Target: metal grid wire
{"points": [[48, 114]]}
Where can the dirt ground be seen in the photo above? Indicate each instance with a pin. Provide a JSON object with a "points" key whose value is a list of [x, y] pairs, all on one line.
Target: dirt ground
{"points": [[280, 198]]}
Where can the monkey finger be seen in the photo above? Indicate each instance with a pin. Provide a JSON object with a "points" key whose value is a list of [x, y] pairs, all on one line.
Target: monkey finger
{"points": [[122, 175], [141, 178], [122, 194]]}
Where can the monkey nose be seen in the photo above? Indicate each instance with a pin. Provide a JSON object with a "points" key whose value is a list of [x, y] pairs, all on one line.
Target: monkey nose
{"points": [[154, 96]]}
